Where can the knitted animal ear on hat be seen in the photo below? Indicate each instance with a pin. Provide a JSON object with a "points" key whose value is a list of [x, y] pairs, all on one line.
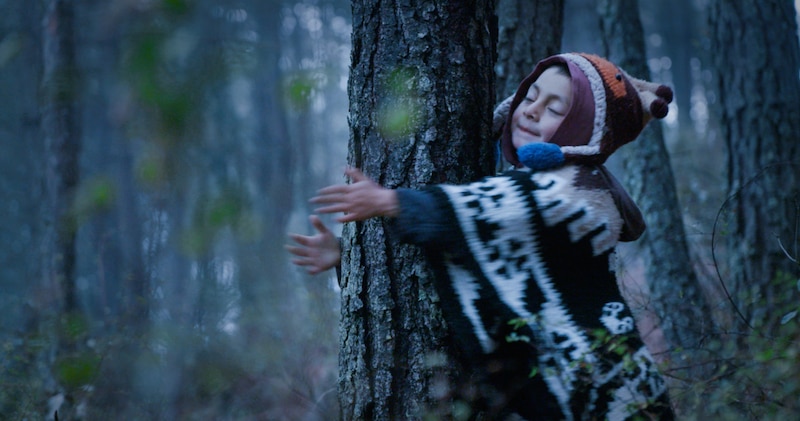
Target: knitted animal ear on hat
{"points": [[609, 109]]}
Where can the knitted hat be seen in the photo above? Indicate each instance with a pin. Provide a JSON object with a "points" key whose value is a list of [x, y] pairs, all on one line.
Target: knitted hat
{"points": [[609, 109]]}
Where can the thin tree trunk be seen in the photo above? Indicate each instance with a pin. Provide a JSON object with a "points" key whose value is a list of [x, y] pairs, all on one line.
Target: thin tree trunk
{"points": [[134, 275], [676, 296], [755, 61], [420, 91], [62, 141], [62, 146], [269, 161]]}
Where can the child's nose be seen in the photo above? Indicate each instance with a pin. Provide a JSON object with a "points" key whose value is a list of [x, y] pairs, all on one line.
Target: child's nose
{"points": [[533, 111]]}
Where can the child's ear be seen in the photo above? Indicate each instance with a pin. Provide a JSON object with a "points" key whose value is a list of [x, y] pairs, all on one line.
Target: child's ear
{"points": [[541, 156]]}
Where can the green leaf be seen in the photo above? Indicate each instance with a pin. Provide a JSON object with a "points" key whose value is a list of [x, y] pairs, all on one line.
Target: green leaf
{"points": [[299, 91], [513, 337], [78, 370], [518, 322]]}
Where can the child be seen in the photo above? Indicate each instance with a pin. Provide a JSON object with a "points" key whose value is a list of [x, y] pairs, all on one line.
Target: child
{"points": [[523, 260]]}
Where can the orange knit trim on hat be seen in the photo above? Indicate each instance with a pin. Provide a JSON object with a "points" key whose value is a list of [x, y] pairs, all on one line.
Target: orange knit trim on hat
{"points": [[609, 74]]}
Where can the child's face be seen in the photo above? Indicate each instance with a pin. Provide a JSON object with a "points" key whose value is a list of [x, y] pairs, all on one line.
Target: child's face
{"points": [[541, 112]]}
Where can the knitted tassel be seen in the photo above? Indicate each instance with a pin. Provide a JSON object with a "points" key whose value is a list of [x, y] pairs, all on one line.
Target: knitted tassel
{"points": [[655, 97]]}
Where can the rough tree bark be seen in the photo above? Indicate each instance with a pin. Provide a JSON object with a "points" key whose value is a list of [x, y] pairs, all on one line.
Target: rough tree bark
{"points": [[528, 32], [755, 61], [421, 99], [676, 296]]}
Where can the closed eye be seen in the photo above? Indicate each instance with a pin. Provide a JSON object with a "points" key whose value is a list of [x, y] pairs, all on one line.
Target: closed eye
{"points": [[533, 94]]}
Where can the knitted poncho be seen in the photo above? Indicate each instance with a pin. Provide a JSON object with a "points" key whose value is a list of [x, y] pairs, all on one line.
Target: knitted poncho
{"points": [[524, 270]]}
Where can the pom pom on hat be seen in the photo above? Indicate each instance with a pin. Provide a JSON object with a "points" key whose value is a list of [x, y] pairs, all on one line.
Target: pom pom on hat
{"points": [[540, 156], [653, 96], [665, 92], [659, 108]]}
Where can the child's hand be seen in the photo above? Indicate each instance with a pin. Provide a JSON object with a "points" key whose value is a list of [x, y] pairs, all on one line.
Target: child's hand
{"points": [[317, 253], [360, 200]]}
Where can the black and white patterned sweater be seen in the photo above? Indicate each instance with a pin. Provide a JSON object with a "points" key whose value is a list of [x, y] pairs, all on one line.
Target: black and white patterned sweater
{"points": [[524, 271]]}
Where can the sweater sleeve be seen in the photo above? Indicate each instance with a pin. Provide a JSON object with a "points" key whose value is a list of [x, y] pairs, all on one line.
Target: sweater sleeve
{"points": [[423, 219]]}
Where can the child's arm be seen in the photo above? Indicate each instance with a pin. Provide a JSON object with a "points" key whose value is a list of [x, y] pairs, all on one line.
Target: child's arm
{"points": [[422, 220], [360, 200]]}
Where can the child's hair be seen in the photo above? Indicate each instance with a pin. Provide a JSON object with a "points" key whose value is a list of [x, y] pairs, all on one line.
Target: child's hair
{"points": [[561, 68]]}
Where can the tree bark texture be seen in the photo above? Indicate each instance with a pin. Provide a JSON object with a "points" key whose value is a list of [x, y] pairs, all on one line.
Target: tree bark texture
{"points": [[420, 94], [528, 32], [676, 296], [755, 62]]}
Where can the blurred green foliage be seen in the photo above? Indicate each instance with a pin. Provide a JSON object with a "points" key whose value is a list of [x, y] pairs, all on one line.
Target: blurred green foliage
{"points": [[299, 89], [77, 370], [398, 104], [95, 195]]}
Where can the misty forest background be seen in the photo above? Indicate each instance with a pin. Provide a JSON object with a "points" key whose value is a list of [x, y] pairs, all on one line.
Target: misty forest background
{"points": [[155, 154]]}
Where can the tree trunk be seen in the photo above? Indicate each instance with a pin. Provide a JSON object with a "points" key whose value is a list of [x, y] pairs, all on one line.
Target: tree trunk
{"points": [[62, 141], [677, 23], [269, 160], [675, 295], [420, 91], [62, 146], [755, 57], [110, 254], [529, 32]]}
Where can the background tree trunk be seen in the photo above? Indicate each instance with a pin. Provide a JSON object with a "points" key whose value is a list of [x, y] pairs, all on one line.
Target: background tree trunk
{"points": [[29, 298], [675, 294], [61, 133], [755, 56], [528, 32], [62, 141], [108, 204], [420, 94]]}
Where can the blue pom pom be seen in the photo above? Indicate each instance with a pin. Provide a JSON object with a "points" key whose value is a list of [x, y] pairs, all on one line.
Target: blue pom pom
{"points": [[540, 156]]}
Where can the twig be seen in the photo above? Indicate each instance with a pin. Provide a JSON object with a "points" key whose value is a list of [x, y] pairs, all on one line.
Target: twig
{"points": [[714, 234], [783, 249]]}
